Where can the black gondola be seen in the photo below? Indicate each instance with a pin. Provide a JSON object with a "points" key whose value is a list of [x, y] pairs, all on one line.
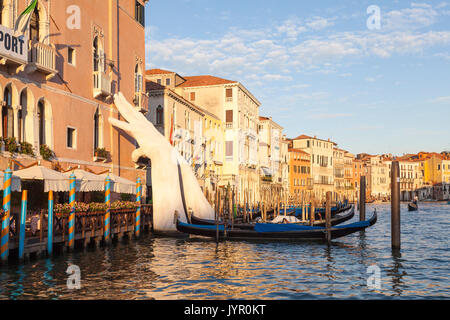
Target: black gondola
{"points": [[337, 219], [270, 231], [412, 206]]}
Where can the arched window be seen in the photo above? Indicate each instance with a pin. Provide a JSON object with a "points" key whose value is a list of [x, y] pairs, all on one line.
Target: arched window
{"points": [[96, 55], [41, 119], [34, 25], [137, 79], [7, 114], [21, 116], [96, 131], [159, 115]]}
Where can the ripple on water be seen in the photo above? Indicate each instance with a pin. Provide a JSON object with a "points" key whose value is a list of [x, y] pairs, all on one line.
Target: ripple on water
{"points": [[166, 268]]}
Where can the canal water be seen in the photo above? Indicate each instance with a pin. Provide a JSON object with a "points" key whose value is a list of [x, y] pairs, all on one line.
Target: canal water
{"points": [[198, 268]]}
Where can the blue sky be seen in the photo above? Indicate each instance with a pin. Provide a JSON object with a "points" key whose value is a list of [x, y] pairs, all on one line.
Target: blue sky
{"points": [[317, 68]]}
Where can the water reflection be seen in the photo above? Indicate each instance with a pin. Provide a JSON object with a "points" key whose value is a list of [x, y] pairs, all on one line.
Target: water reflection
{"points": [[198, 268], [18, 284]]}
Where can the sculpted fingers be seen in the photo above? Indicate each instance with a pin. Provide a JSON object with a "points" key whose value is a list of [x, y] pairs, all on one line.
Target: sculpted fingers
{"points": [[121, 125]]}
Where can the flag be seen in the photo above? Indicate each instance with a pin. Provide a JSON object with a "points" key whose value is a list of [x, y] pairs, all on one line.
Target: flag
{"points": [[171, 130], [23, 21]]}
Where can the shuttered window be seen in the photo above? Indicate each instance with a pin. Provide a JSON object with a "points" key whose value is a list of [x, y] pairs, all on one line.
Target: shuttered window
{"points": [[229, 149], [229, 116]]}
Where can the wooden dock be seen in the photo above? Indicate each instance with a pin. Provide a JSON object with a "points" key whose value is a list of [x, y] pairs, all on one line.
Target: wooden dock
{"points": [[89, 230]]}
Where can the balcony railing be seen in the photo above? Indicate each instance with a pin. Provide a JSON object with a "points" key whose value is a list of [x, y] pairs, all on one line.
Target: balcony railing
{"points": [[42, 59], [102, 84], [229, 125], [141, 102]]}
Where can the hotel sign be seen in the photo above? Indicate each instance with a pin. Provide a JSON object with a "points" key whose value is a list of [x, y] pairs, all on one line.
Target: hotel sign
{"points": [[12, 47]]}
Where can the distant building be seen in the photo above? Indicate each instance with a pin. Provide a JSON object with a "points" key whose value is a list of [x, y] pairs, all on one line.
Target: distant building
{"points": [[299, 173], [321, 152], [237, 110]]}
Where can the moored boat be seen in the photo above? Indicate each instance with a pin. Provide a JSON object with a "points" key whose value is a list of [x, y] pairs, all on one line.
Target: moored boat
{"points": [[412, 206], [337, 219], [271, 231]]}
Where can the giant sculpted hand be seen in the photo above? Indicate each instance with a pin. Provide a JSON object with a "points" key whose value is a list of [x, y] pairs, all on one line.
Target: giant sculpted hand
{"points": [[168, 170]]}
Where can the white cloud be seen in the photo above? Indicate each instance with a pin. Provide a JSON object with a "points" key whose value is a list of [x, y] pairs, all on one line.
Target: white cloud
{"points": [[441, 100], [419, 15]]}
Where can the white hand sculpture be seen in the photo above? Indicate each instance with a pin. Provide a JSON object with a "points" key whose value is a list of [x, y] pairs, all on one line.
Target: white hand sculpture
{"points": [[165, 164]]}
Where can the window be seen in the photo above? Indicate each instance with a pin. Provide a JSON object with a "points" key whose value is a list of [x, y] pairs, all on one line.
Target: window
{"points": [[71, 55], [229, 116], [71, 138], [168, 82], [21, 115], [98, 130], [140, 13], [229, 149], [159, 115], [41, 120], [96, 55], [7, 114], [192, 96], [229, 94], [159, 81], [34, 25]]}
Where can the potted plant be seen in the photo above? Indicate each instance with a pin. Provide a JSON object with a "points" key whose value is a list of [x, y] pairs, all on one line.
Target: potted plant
{"points": [[46, 152], [101, 154]]}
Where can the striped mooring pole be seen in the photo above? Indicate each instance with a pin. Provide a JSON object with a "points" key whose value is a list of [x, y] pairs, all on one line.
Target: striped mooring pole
{"points": [[138, 207], [106, 231], [50, 224], [4, 249], [23, 217], [71, 238]]}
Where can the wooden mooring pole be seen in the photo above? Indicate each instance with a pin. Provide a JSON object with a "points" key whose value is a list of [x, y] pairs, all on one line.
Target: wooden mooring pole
{"points": [[395, 205], [362, 198], [328, 216]]}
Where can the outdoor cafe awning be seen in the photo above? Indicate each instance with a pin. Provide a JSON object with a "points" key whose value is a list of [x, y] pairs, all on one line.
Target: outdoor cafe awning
{"points": [[86, 181], [119, 184], [53, 180], [15, 182]]}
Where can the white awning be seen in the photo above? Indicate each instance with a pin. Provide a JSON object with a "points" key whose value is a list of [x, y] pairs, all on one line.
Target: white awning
{"points": [[120, 185], [53, 180], [266, 172], [86, 181], [15, 182]]}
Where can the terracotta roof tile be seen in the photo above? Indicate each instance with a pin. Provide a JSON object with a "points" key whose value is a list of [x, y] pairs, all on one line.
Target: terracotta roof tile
{"points": [[157, 71], [200, 81]]}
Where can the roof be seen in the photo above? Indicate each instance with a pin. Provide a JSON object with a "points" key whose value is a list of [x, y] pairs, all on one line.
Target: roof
{"points": [[150, 85], [264, 118], [200, 81], [303, 136], [297, 150], [157, 71]]}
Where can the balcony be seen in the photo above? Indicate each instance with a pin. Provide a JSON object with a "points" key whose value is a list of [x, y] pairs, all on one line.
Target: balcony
{"points": [[102, 84], [42, 59], [141, 102], [229, 125]]}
